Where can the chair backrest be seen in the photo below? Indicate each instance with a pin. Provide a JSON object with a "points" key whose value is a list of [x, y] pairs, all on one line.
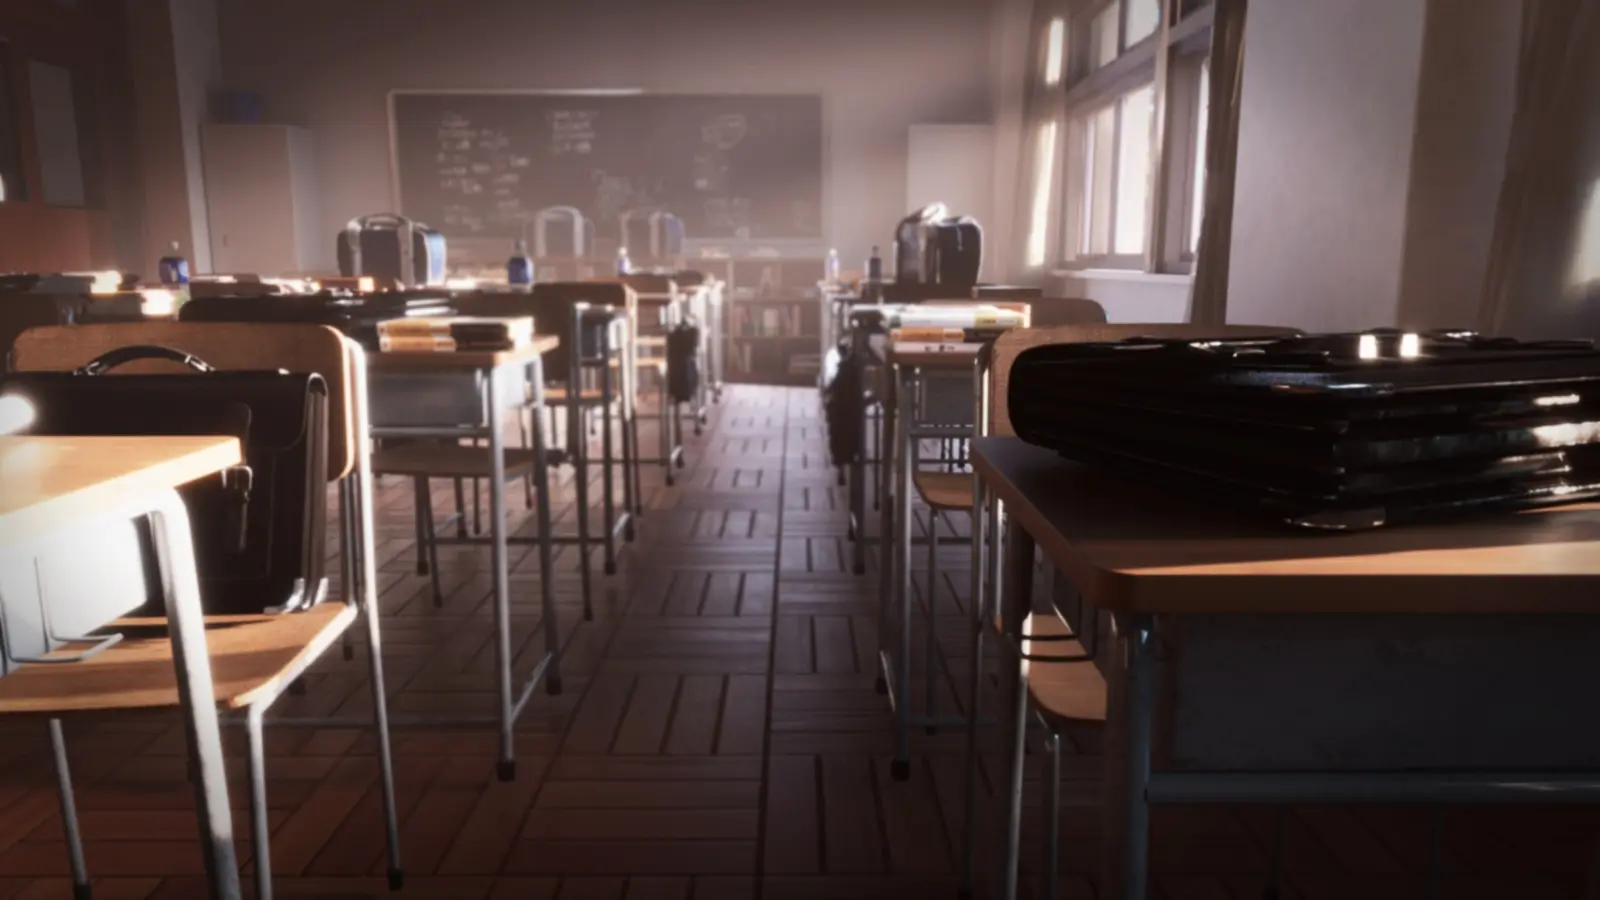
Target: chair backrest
{"points": [[1066, 311], [1009, 345], [20, 312], [233, 346]]}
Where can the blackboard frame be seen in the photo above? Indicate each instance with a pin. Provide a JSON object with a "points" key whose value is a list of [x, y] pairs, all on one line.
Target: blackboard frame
{"points": [[825, 201]]}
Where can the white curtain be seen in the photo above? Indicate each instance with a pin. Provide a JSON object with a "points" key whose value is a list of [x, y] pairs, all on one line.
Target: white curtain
{"points": [[1543, 278], [1208, 304]]}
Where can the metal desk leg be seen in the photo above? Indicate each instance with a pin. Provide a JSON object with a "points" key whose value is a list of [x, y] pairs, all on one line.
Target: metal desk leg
{"points": [[979, 623], [169, 525], [579, 442], [1138, 633], [506, 767], [607, 454], [905, 464], [885, 543], [1014, 600], [81, 889], [260, 827], [547, 575]]}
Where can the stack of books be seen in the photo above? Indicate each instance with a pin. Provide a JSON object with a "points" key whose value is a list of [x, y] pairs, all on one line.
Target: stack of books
{"points": [[454, 334], [956, 324]]}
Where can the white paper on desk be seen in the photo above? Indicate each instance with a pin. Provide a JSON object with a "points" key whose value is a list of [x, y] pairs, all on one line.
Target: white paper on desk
{"points": [[974, 316]]}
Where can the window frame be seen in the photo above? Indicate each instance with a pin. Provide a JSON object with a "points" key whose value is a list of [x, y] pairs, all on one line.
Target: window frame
{"points": [[1173, 68], [1042, 106]]}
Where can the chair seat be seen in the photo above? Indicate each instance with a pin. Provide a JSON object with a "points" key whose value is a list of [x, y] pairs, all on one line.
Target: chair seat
{"points": [[448, 461], [944, 490], [252, 659], [1064, 692], [556, 395]]}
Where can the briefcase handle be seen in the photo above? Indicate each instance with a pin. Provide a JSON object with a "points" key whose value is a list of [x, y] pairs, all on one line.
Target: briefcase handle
{"points": [[124, 355]]}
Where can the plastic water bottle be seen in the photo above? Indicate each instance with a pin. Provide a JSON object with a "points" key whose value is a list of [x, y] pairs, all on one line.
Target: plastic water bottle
{"points": [[173, 269], [623, 267], [875, 266], [519, 268], [833, 266]]}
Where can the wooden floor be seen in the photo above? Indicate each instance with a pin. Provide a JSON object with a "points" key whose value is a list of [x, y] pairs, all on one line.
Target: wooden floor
{"points": [[719, 737]]}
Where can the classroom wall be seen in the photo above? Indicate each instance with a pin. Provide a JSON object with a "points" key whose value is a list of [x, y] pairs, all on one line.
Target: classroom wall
{"points": [[1328, 117], [175, 64], [881, 67], [1371, 148]]}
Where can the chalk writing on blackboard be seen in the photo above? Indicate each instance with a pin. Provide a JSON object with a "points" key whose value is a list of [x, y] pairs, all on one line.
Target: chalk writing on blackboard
{"points": [[571, 130], [724, 132]]}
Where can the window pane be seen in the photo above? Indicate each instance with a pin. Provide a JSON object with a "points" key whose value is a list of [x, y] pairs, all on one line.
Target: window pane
{"points": [[1054, 51], [1201, 130], [1044, 172], [13, 185], [55, 122], [1143, 17], [1133, 169], [1103, 36], [1098, 171]]}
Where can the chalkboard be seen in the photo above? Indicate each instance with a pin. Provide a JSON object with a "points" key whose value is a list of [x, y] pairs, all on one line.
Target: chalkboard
{"points": [[730, 166]]}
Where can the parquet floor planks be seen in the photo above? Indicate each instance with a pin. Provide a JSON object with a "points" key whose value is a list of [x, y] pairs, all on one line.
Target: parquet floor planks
{"points": [[719, 738]]}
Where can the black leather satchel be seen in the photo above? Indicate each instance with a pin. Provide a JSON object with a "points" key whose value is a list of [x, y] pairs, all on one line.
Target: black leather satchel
{"points": [[683, 363], [259, 529]]}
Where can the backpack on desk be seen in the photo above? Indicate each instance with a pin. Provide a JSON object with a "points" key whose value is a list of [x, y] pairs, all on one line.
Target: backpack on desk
{"points": [[258, 528]]}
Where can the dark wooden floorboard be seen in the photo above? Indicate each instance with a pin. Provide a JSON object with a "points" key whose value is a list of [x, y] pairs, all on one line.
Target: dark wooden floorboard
{"points": [[719, 737]]}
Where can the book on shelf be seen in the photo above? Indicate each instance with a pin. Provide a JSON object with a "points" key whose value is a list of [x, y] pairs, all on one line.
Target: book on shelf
{"points": [[448, 334], [987, 317]]}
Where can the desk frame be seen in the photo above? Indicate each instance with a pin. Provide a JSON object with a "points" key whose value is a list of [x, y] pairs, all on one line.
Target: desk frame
{"points": [[1131, 784]]}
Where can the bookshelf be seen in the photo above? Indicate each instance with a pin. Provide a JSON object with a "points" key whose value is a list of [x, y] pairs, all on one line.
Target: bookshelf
{"points": [[773, 319]]}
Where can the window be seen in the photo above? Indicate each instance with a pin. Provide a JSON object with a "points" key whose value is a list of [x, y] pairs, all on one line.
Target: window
{"points": [[1103, 40], [13, 184], [1055, 51], [1144, 16], [1113, 155], [1198, 200], [1044, 190]]}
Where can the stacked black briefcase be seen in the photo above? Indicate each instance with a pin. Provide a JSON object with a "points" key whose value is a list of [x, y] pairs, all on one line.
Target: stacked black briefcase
{"points": [[1335, 432], [357, 316]]}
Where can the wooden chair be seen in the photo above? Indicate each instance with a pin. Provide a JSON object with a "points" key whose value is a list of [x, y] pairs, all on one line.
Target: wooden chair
{"points": [[254, 659], [1064, 686]]}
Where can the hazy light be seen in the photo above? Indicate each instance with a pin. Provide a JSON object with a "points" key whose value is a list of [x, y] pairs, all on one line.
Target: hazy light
{"points": [[158, 302], [1557, 400], [1410, 346], [1055, 51], [16, 414], [461, 284], [1586, 255], [1367, 346], [365, 284], [1044, 170]]}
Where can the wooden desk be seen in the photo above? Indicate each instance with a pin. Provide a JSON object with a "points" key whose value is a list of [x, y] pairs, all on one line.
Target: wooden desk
{"points": [[50, 484], [1249, 663], [454, 396]]}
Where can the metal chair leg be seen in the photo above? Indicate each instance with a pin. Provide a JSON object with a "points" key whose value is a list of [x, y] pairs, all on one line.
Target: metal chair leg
{"points": [[979, 622], [81, 889], [607, 477], [580, 470], [425, 504], [1280, 827], [422, 538], [931, 654], [1052, 828], [260, 827], [461, 508]]}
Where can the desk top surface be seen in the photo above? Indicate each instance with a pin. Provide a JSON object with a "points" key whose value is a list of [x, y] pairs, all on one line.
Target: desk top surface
{"points": [[47, 482], [933, 356], [433, 362], [1129, 548]]}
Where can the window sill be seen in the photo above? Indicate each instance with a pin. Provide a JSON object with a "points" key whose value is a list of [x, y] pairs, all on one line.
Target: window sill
{"points": [[1123, 275]]}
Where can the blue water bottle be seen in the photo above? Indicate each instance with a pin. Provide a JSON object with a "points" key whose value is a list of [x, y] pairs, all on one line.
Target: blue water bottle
{"points": [[833, 266], [173, 269], [519, 268], [623, 268]]}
